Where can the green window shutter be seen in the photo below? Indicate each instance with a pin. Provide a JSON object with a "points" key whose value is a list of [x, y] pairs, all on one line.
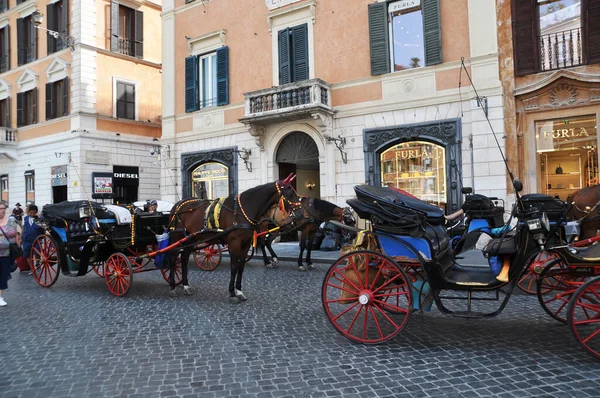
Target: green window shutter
{"points": [[592, 30], [223, 76], [34, 112], [114, 27], [66, 89], [432, 32], [20, 42], [524, 36], [49, 97], [20, 110], [300, 52], [51, 41], [139, 34], [284, 56], [191, 84], [378, 39]]}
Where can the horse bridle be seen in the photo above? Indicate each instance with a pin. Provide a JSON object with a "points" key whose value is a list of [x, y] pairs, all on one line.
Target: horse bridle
{"points": [[281, 203]]}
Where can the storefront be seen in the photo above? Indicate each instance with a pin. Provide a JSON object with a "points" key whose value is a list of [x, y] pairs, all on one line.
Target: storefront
{"points": [[126, 180], [210, 180], [102, 186], [209, 174], [58, 181], [423, 159]]}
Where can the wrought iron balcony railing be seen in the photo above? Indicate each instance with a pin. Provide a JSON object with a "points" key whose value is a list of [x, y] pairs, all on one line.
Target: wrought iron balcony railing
{"points": [[561, 50]]}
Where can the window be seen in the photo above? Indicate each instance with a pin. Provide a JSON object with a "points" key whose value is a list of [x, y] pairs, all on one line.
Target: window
{"points": [[404, 34], [58, 20], [26, 40], [4, 188], [207, 80], [30, 186], [5, 112], [21, 1], [3, 5], [211, 181], [293, 54], [4, 49], [27, 108], [126, 100], [127, 30], [57, 99], [555, 34]]}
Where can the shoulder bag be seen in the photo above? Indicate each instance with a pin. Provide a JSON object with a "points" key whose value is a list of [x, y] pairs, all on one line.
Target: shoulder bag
{"points": [[15, 251]]}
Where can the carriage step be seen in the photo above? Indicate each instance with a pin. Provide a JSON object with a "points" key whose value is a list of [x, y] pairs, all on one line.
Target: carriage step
{"points": [[468, 314]]}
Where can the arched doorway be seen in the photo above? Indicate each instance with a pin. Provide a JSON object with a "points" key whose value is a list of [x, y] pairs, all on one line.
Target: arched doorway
{"points": [[298, 153]]}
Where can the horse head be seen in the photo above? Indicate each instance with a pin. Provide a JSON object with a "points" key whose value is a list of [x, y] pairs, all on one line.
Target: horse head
{"points": [[289, 202]]}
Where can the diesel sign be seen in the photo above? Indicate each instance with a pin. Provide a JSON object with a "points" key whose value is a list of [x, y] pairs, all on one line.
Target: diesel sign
{"points": [[125, 175]]}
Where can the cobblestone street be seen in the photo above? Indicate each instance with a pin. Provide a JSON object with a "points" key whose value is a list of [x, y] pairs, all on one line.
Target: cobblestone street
{"points": [[77, 340]]}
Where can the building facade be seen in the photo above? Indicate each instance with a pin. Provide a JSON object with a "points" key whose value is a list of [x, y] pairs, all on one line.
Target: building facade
{"points": [[339, 92], [82, 102], [550, 57]]}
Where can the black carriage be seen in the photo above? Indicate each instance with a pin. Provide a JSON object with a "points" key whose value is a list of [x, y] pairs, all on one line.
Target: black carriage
{"points": [[109, 239]]}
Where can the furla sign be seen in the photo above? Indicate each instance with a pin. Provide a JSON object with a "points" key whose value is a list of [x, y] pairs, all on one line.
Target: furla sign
{"points": [[273, 4], [403, 5]]}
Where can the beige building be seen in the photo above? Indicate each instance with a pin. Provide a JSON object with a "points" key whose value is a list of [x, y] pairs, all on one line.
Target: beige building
{"points": [[80, 96], [339, 92], [550, 57]]}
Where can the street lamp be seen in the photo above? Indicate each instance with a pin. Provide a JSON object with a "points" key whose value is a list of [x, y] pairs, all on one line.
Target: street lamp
{"points": [[38, 18]]}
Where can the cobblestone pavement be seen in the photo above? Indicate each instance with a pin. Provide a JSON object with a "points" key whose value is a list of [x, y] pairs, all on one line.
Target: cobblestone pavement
{"points": [[77, 340]]}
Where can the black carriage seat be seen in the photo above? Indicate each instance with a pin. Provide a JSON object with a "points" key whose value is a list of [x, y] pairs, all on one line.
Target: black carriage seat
{"points": [[434, 214], [587, 253], [556, 209]]}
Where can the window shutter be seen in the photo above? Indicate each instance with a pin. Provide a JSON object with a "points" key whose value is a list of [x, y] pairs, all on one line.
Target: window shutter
{"points": [[34, 98], [20, 41], [6, 55], [114, 27], [139, 34], [49, 95], [191, 84], [66, 89], [20, 110], [33, 45], [7, 121], [121, 102], [223, 76], [524, 36], [592, 26], [300, 52], [284, 57], [432, 32], [51, 43], [378, 39], [64, 17]]}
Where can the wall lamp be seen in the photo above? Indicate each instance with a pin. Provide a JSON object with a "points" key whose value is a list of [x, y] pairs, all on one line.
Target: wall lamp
{"points": [[38, 18], [245, 156], [340, 143], [310, 185], [158, 150]]}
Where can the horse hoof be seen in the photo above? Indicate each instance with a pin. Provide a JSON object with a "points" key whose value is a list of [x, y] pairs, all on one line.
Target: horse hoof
{"points": [[188, 291], [234, 300], [311, 267], [173, 293], [302, 268]]}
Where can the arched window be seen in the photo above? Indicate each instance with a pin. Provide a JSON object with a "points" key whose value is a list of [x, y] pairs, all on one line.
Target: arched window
{"points": [[210, 181]]}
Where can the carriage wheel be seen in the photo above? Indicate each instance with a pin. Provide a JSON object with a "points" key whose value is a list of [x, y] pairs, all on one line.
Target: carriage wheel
{"points": [[44, 260], [208, 258], [366, 307], [166, 272], [99, 268], [531, 274], [250, 254], [118, 274], [556, 285], [584, 316]]}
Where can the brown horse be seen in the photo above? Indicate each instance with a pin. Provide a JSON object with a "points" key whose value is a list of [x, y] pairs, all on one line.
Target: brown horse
{"points": [[585, 203], [237, 221], [316, 211]]}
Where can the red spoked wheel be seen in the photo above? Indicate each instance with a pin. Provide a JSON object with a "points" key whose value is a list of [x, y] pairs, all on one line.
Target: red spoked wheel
{"points": [[530, 276], [44, 260], [367, 306], [556, 285], [584, 316], [118, 274], [99, 268], [166, 272], [209, 258]]}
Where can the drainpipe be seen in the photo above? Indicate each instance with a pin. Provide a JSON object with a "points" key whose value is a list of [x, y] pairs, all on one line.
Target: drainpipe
{"points": [[472, 163]]}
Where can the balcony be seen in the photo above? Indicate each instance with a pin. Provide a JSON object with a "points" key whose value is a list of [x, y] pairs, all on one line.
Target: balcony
{"points": [[560, 50], [125, 46], [293, 101], [8, 143]]}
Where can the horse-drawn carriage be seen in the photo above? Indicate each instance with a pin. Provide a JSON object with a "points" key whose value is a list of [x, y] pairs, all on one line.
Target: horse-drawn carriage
{"points": [[406, 261], [109, 239]]}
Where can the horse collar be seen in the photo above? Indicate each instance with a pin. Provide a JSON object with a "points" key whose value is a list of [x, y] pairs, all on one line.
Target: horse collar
{"points": [[239, 202]]}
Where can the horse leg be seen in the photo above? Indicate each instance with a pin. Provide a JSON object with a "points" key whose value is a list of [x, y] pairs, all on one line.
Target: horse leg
{"points": [[311, 237], [238, 283], [185, 257], [262, 245], [274, 258], [235, 261], [172, 263], [301, 266]]}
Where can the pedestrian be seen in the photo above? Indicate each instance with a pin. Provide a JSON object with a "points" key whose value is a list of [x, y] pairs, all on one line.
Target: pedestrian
{"points": [[8, 235], [152, 206], [18, 212], [30, 231]]}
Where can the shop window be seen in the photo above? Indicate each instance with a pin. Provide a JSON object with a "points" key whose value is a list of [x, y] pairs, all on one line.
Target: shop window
{"points": [[4, 188], [417, 167], [30, 186], [211, 181], [567, 155], [404, 34]]}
